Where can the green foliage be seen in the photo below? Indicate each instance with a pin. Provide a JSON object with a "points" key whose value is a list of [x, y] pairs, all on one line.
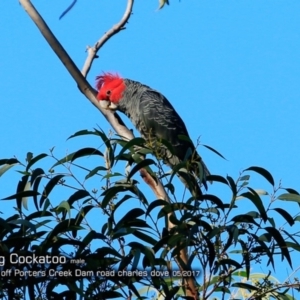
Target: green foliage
{"points": [[162, 3], [96, 223]]}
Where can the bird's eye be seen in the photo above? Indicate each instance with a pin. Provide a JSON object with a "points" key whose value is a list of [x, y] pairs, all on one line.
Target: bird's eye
{"points": [[108, 92]]}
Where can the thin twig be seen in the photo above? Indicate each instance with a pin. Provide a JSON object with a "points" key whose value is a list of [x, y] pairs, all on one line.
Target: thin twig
{"points": [[92, 51]]}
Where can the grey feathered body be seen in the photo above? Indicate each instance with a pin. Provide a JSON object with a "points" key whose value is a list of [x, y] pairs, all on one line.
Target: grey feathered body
{"points": [[155, 118]]}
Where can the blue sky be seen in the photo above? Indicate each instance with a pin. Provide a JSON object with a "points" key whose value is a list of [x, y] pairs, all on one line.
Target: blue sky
{"points": [[230, 68]]}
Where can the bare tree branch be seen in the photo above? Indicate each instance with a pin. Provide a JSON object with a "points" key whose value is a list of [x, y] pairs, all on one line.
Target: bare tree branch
{"points": [[90, 93], [92, 51]]}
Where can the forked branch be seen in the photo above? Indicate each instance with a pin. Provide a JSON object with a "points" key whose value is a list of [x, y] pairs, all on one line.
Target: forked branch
{"points": [[90, 93], [92, 51]]}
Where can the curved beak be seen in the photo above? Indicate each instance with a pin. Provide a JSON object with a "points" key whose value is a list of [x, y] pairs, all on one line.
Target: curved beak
{"points": [[108, 105]]}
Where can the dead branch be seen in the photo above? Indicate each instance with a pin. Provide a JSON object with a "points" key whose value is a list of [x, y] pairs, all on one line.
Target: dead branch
{"points": [[92, 51], [90, 93]]}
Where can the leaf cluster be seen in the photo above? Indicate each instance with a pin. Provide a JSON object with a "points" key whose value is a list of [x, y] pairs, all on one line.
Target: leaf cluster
{"points": [[114, 239]]}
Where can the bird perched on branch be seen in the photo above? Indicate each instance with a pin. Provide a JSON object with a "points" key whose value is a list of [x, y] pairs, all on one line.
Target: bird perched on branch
{"points": [[154, 117]]}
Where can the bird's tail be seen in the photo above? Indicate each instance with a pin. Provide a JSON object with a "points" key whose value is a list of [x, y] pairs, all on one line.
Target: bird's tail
{"points": [[191, 183], [199, 168], [205, 169]]}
